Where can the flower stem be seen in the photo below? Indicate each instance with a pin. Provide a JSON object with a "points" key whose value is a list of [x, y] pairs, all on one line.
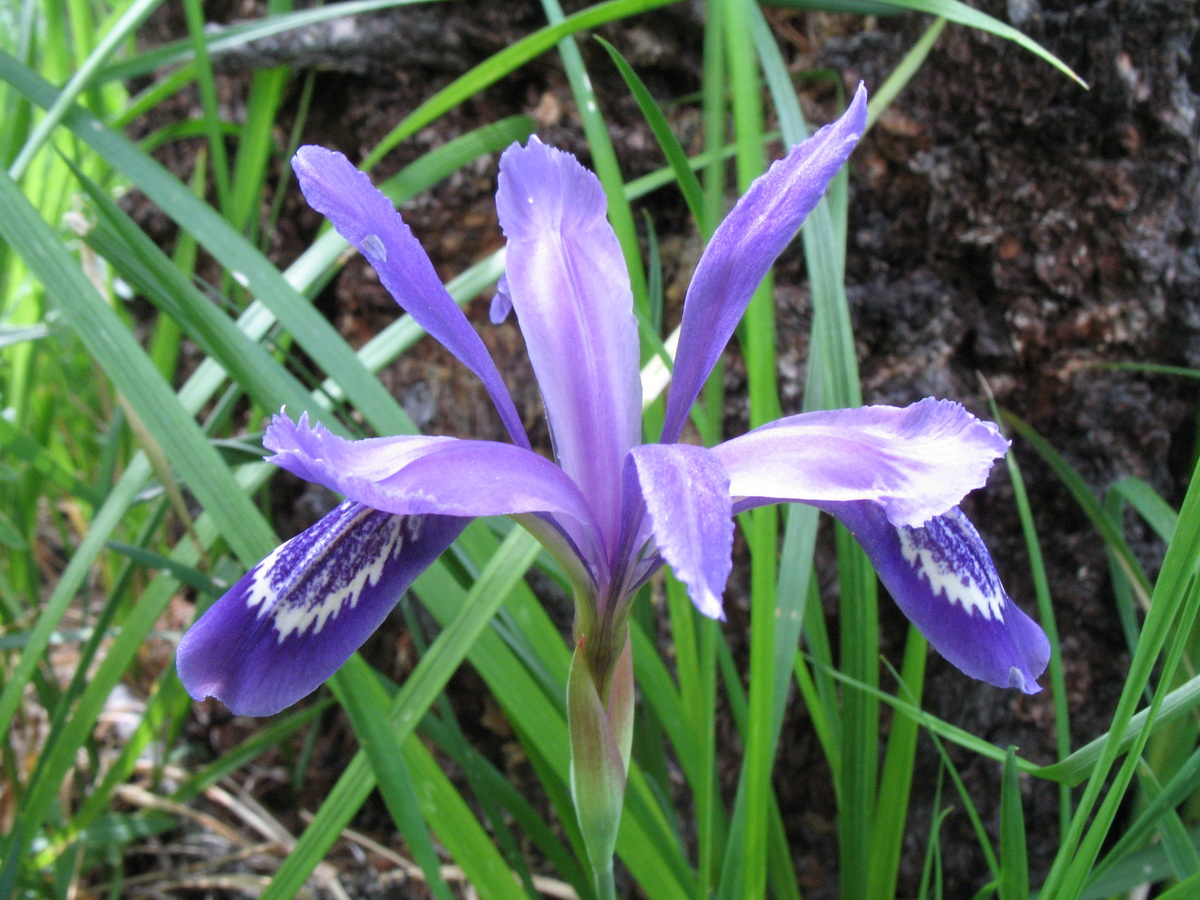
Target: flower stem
{"points": [[606, 888]]}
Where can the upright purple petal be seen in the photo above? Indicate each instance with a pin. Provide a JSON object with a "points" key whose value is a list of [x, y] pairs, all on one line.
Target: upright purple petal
{"points": [[686, 493], [295, 617], [943, 579], [418, 475], [915, 462], [744, 247], [569, 286], [367, 219]]}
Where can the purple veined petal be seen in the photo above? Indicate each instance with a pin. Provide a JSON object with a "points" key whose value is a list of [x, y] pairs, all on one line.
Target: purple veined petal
{"points": [[419, 475], [368, 220], [686, 492], [294, 618], [915, 461], [942, 577], [569, 286], [744, 247], [315, 454]]}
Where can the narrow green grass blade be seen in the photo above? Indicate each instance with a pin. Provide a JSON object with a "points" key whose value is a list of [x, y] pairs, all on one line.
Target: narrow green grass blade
{"points": [[932, 862], [689, 184], [143, 265], [1153, 368], [211, 120], [1079, 765], [1014, 862], [457, 828], [505, 809], [111, 344], [1185, 890], [1139, 833], [935, 726], [968, 806], [854, 7], [130, 633], [255, 145], [310, 329], [1167, 610], [895, 782], [504, 62], [900, 76], [185, 575], [664, 700], [19, 446], [1087, 501], [1149, 505], [1181, 852], [1125, 595], [134, 15], [365, 701], [1073, 876], [973, 18], [475, 609], [1045, 606], [107, 518]]}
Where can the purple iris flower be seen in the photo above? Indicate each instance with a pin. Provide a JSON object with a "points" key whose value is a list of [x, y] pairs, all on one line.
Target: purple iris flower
{"points": [[610, 508]]}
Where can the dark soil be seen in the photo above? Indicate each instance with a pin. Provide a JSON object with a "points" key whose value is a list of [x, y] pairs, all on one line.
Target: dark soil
{"points": [[1005, 225]]}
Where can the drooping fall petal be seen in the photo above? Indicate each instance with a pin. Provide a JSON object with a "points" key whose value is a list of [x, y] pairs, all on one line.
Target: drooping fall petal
{"points": [[294, 618], [944, 580]]}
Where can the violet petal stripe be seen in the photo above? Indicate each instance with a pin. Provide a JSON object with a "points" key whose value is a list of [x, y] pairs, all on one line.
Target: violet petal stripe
{"points": [[294, 618], [369, 221], [569, 286], [417, 475], [744, 247], [915, 461], [942, 577], [686, 493]]}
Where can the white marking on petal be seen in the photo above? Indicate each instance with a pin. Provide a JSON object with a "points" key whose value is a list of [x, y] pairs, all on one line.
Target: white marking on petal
{"points": [[308, 580], [373, 245], [945, 553]]}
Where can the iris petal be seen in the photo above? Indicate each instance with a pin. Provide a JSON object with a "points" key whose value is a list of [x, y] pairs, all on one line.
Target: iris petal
{"points": [[744, 247], [368, 220], [294, 618], [686, 493], [411, 475], [915, 462], [569, 286], [942, 577]]}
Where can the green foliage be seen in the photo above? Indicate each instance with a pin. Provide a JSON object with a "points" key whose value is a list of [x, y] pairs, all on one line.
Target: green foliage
{"points": [[131, 485]]}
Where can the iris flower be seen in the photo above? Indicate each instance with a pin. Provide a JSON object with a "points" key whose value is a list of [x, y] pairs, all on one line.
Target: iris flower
{"points": [[609, 508]]}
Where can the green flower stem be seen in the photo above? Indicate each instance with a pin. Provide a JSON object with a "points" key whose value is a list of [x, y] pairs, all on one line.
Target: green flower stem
{"points": [[606, 887]]}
